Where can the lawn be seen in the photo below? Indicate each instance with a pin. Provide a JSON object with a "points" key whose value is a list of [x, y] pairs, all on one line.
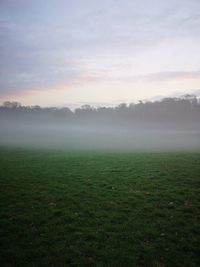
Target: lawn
{"points": [[99, 209]]}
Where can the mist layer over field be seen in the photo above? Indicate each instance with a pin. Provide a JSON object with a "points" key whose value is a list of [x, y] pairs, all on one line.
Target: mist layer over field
{"points": [[168, 125], [93, 137]]}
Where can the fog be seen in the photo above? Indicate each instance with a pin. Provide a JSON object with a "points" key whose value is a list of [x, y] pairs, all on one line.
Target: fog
{"points": [[92, 138], [124, 128]]}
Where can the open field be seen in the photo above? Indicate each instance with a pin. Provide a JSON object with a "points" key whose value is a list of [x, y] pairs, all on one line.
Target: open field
{"points": [[99, 209]]}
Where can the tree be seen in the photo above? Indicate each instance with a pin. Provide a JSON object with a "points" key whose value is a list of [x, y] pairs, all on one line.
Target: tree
{"points": [[13, 104]]}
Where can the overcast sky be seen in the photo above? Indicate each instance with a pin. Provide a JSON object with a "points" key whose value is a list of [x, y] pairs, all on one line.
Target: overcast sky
{"points": [[57, 52]]}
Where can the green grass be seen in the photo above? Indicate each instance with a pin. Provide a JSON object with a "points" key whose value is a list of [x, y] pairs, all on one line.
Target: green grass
{"points": [[99, 209]]}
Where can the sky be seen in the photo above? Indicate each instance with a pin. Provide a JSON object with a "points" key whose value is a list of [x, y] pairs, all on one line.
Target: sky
{"points": [[63, 52]]}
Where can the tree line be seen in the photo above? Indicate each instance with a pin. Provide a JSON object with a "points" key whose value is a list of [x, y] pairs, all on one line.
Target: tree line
{"points": [[168, 111]]}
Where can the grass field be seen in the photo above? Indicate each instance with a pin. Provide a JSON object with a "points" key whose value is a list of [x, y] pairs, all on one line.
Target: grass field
{"points": [[99, 209]]}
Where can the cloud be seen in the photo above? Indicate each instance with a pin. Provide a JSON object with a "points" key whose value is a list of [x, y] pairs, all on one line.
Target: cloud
{"points": [[46, 43], [149, 77], [166, 76]]}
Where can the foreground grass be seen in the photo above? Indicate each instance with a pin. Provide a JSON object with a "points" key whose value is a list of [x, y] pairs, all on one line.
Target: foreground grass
{"points": [[95, 209]]}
